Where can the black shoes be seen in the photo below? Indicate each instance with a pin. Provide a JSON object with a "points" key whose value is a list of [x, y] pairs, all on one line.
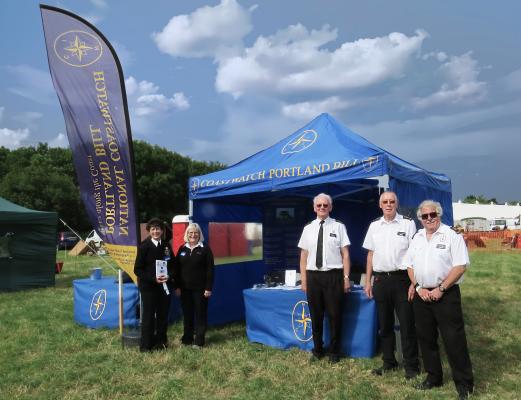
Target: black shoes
{"points": [[319, 355], [464, 393], [316, 355], [427, 385], [334, 358], [411, 374], [382, 370]]}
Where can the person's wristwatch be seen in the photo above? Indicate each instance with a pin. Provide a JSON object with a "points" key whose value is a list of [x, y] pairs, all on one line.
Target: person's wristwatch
{"points": [[442, 288], [417, 287], [346, 277]]}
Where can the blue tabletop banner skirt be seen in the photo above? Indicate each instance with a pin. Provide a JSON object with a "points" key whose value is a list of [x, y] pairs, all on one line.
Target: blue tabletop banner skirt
{"points": [[280, 318], [96, 303]]}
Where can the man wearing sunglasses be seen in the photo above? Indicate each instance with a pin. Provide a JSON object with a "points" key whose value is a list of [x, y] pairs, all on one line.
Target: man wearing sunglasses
{"points": [[324, 271], [387, 241], [437, 259]]}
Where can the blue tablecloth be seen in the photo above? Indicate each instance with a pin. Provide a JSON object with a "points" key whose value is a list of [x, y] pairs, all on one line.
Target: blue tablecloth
{"points": [[96, 303], [280, 318]]}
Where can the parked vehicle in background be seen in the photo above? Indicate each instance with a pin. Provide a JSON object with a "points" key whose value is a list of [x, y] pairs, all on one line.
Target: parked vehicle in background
{"points": [[67, 240]]}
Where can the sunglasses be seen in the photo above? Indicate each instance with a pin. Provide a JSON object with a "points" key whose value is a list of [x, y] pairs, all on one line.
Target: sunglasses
{"points": [[322, 205], [388, 201], [430, 215]]}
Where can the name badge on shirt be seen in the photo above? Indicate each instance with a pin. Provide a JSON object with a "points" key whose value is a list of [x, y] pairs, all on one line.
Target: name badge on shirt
{"points": [[332, 234], [440, 246], [400, 233]]}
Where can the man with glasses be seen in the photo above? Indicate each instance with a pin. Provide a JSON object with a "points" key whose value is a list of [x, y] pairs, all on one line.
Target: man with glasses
{"points": [[437, 259], [324, 270], [387, 241]]}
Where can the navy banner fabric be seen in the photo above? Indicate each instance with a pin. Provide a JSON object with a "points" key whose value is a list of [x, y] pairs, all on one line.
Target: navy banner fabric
{"points": [[88, 79], [280, 318]]}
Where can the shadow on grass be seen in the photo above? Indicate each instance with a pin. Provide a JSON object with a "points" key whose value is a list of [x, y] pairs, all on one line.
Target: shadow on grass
{"points": [[499, 355], [226, 333]]}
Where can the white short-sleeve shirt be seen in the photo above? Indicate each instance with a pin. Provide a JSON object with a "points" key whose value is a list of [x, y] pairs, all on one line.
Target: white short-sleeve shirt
{"points": [[433, 260], [334, 238], [389, 241]]}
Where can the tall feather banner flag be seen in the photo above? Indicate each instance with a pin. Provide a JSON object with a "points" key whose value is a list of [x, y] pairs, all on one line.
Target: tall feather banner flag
{"points": [[88, 79]]}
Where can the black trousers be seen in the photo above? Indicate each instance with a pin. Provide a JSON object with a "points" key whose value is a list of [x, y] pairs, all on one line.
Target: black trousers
{"points": [[325, 293], [154, 318], [195, 316], [390, 295], [446, 317]]}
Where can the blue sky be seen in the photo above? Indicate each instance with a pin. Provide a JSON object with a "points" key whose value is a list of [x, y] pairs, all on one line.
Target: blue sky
{"points": [[436, 83]]}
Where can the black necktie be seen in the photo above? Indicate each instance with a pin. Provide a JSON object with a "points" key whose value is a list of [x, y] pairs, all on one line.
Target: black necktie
{"points": [[319, 245]]}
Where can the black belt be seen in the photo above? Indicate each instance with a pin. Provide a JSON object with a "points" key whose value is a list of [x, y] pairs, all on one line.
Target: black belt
{"points": [[397, 272], [331, 271]]}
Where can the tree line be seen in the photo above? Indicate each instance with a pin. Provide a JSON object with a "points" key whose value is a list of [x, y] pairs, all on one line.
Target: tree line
{"points": [[43, 178], [480, 199]]}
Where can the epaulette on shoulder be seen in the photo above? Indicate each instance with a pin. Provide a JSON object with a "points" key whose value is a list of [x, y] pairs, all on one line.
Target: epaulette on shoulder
{"points": [[459, 230], [406, 217], [414, 235]]}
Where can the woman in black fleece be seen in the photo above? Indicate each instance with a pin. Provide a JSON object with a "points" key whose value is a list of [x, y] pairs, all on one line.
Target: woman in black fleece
{"points": [[193, 276]]}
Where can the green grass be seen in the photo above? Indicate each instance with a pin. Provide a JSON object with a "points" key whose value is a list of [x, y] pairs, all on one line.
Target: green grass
{"points": [[44, 354]]}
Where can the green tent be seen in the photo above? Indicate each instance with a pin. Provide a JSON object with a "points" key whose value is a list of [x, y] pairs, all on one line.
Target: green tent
{"points": [[27, 247]]}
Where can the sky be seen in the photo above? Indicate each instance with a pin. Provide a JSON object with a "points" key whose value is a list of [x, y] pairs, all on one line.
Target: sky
{"points": [[437, 83]]}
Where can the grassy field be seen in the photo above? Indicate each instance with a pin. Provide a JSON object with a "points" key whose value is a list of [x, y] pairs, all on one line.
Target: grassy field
{"points": [[44, 354]]}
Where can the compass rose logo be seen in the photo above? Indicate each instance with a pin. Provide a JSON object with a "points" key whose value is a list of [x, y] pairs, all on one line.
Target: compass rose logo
{"points": [[370, 163], [78, 48], [301, 142], [97, 305], [301, 321], [194, 186]]}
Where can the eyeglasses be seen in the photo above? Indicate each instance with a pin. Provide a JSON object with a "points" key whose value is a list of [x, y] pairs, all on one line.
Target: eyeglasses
{"points": [[388, 201], [430, 215], [193, 233], [322, 205]]}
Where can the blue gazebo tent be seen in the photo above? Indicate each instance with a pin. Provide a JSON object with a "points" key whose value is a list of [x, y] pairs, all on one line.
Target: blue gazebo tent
{"points": [[322, 156]]}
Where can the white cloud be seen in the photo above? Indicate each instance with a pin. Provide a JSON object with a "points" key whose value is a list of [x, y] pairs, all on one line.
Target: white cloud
{"points": [[438, 136], [146, 104], [207, 32], [59, 141], [310, 109], [28, 119], [155, 103], [32, 83], [512, 82], [294, 60], [13, 138], [440, 56], [461, 84], [99, 3], [126, 57]]}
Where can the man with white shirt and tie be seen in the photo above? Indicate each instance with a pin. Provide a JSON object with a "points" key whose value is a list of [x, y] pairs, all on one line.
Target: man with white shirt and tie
{"points": [[324, 270], [387, 241]]}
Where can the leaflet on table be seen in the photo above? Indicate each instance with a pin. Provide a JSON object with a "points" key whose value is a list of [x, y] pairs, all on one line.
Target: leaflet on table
{"points": [[280, 287]]}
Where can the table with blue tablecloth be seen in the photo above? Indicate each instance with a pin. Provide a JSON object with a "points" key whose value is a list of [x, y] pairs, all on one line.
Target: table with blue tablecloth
{"points": [[280, 318], [96, 303]]}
